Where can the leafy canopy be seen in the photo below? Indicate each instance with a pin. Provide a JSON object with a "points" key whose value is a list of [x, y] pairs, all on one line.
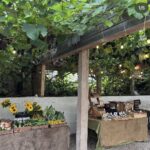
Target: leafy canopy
{"points": [[28, 28]]}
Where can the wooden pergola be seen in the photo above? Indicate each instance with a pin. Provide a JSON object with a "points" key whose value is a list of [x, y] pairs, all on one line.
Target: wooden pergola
{"points": [[88, 41]]}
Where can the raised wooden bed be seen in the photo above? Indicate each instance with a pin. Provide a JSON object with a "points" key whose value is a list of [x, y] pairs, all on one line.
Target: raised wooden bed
{"points": [[35, 138]]}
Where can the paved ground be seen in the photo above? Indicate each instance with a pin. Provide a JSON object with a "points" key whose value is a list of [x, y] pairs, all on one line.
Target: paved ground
{"points": [[132, 146]]}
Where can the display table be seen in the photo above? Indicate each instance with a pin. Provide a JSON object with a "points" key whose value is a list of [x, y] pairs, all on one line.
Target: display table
{"points": [[37, 139], [147, 110], [116, 132]]}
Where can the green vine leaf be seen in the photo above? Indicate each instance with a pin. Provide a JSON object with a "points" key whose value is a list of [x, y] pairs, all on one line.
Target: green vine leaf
{"points": [[108, 23], [31, 31], [34, 31], [43, 30], [2, 19]]}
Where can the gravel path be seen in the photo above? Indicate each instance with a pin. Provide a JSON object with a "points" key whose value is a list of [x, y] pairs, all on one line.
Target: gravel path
{"points": [[132, 146]]}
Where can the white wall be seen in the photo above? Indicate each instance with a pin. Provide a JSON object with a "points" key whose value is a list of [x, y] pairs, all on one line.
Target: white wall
{"points": [[67, 105]]}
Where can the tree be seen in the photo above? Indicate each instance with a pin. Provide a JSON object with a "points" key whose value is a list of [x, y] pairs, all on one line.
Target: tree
{"points": [[28, 29]]}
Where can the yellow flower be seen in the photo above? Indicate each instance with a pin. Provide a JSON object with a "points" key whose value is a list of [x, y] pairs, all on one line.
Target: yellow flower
{"points": [[13, 109], [29, 106]]}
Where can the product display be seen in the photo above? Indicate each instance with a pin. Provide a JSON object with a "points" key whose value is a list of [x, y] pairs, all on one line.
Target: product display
{"points": [[118, 122], [33, 116], [116, 110]]}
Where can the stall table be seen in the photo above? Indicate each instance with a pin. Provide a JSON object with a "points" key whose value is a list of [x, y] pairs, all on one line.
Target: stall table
{"points": [[36, 139], [115, 132], [147, 110]]}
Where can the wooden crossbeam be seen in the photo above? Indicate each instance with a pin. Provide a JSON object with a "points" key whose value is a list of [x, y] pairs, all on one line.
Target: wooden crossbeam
{"points": [[98, 36]]}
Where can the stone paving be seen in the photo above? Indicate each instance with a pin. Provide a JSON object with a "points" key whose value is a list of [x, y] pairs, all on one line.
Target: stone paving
{"points": [[132, 146]]}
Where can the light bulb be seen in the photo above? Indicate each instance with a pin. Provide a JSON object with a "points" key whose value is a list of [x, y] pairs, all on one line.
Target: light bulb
{"points": [[123, 71], [122, 47], [146, 56], [97, 47], [120, 65], [148, 41], [14, 52]]}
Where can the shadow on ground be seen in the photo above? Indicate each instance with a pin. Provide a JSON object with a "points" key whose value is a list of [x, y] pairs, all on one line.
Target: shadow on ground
{"points": [[92, 144]]}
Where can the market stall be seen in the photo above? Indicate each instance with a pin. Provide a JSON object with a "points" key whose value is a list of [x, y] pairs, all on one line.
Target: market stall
{"points": [[117, 123], [116, 132], [34, 128]]}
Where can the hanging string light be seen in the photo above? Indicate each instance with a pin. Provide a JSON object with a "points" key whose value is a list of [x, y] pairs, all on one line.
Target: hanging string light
{"points": [[123, 71], [102, 72], [148, 41], [146, 56], [120, 65], [97, 47], [14, 52], [122, 47]]}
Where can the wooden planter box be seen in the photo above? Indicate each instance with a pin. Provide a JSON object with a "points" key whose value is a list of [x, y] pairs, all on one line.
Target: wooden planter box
{"points": [[35, 138]]}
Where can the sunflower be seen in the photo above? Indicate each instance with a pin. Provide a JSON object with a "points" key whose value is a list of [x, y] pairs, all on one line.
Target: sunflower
{"points": [[29, 106], [13, 109]]}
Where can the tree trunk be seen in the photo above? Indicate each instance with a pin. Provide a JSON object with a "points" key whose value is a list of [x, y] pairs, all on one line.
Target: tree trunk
{"points": [[20, 84], [34, 80], [98, 84], [41, 79], [132, 86]]}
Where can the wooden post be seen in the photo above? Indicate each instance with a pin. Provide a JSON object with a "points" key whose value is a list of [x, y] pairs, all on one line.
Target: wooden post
{"points": [[41, 88], [82, 107]]}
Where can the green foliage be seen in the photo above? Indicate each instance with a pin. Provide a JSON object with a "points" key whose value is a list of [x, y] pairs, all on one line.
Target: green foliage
{"points": [[51, 114], [115, 86], [143, 85], [37, 112], [28, 30], [30, 122], [33, 31], [60, 86], [105, 63], [6, 103]]}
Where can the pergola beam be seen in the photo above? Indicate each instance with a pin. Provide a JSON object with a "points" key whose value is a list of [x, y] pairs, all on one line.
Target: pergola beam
{"points": [[90, 40]]}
